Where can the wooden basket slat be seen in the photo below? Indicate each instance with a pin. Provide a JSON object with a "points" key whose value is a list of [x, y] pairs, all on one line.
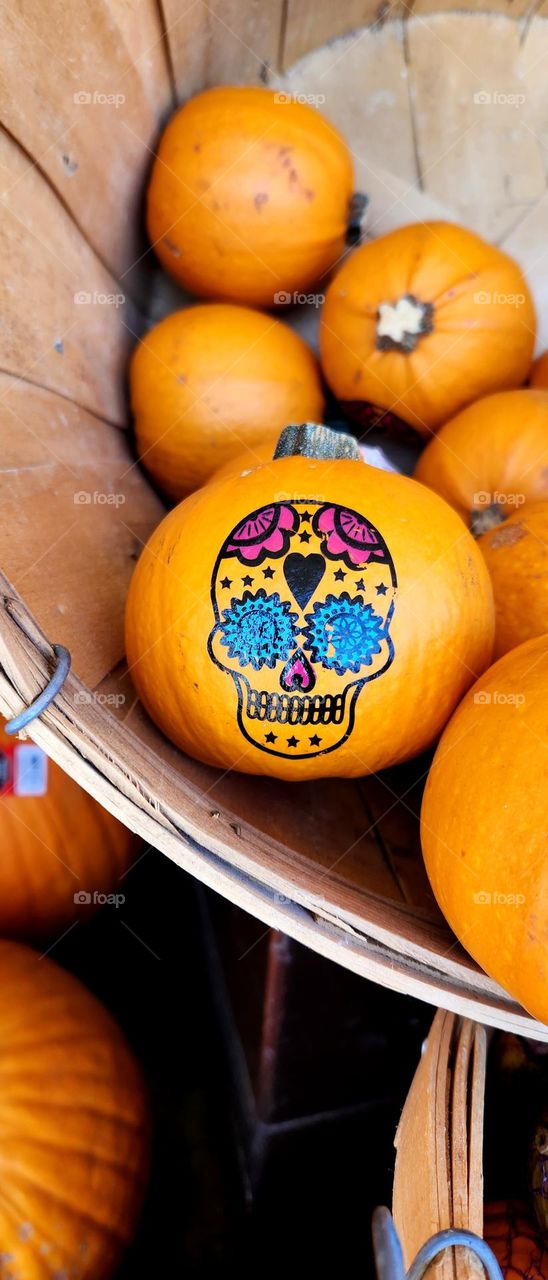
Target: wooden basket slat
{"points": [[311, 23], [75, 513], [95, 156], [222, 42], [438, 1175], [376, 124], [78, 349], [483, 158], [515, 9]]}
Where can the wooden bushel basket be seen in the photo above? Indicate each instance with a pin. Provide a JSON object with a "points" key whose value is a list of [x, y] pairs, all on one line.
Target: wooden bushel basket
{"points": [[85, 90]]}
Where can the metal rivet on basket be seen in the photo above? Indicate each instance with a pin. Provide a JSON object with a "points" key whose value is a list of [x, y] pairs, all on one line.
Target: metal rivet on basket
{"points": [[47, 695]]}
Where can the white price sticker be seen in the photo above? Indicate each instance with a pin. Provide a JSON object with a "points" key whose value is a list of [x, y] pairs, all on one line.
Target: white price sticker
{"points": [[30, 770]]}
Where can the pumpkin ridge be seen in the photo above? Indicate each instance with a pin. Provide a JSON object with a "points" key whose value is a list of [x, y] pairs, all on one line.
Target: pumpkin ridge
{"points": [[105, 1161], [114, 1117], [81, 1215]]}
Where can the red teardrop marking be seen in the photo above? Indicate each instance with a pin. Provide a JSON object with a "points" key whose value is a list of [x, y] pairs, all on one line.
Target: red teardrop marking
{"points": [[298, 674]]}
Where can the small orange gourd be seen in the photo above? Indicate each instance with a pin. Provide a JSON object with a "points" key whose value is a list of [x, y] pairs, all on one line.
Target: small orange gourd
{"points": [[423, 321], [516, 555], [61, 852], [312, 617], [249, 196], [484, 821], [75, 1126], [491, 458], [214, 379]]}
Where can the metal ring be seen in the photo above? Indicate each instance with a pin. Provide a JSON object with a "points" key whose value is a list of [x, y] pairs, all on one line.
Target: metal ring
{"points": [[47, 695], [452, 1236]]}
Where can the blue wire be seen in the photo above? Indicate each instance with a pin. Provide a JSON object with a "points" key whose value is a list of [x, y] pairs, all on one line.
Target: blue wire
{"points": [[46, 696]]}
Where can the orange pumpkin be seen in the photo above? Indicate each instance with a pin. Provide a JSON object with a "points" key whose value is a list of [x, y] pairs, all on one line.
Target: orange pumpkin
{"points": [[210, 380], [515, 1240], [516, 554], [491, 458], [54, 847], [248, 458], [484, 821], [249, 196], [539, 372], [423, 321], [74, 1123], [313, 617]]}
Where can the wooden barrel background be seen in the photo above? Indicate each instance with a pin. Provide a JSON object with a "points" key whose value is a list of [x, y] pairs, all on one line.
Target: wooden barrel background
{"points": [[447, 115]]}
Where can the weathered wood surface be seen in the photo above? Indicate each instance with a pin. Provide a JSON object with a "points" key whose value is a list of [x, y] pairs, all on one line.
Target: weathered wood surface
{"points": [[75, 513], [442, 1119], [84, 88]]}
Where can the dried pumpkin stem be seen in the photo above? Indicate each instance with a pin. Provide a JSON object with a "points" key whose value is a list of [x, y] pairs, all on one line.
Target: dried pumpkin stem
{"points": [[356, 210], [401, 324], [486, 518], [314, 440]]}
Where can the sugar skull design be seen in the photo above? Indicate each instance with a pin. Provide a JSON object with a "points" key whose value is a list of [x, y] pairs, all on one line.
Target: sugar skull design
{"points": [[303, 596]]}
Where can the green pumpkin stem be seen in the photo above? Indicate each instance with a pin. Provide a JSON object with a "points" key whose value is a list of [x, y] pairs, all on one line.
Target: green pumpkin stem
{"points": [[313, 440]]}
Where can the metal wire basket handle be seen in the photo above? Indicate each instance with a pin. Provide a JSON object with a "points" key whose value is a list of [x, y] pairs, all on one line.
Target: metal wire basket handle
{"points": [[389, 1257]]}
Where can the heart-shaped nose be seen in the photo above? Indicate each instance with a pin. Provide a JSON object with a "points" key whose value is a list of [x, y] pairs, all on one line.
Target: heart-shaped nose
{"points": [[298, 674]]}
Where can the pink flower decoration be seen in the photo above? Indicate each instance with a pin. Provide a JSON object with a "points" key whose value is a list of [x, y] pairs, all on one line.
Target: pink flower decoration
{"points": [[348, 534], [265, 532]]}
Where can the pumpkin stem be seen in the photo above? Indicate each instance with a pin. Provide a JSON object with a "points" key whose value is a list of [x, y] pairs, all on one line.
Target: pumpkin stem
{"points": [[313, 440], [401, 324], [356, 209], [486, 518]]}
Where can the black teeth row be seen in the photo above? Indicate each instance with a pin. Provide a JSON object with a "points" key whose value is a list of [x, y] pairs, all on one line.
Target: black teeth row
{"points": [[286, 708]]}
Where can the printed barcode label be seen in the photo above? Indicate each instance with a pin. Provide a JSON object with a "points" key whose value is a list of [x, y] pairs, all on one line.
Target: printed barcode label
{"points": [[30, 770]]}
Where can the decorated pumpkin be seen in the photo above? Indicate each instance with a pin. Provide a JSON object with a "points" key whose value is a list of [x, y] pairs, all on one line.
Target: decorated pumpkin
{"points": [[250, 196], [484, 821], [423, 321], [312, 617], [74, 1123], [491, 458], [539, 372], [208, 381], [515, 1240], [516, 554], [61, 852]]}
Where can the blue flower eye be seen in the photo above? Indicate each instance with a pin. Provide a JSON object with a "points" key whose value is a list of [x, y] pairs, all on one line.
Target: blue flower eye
{"points": [[343, 634], [259, 629]]}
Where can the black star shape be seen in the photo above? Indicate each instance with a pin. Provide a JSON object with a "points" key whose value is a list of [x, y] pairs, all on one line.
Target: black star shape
{"points": [[304, 537], [270, 737], [292, 742], [339, 575], [382, 589], [247, 581], [360, 584], [226, 582], [268, 573], [315, 741], [306, 515]]}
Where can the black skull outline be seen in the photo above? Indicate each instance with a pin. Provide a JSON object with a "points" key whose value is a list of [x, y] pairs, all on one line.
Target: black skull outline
{"points": [[303, 595]]}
